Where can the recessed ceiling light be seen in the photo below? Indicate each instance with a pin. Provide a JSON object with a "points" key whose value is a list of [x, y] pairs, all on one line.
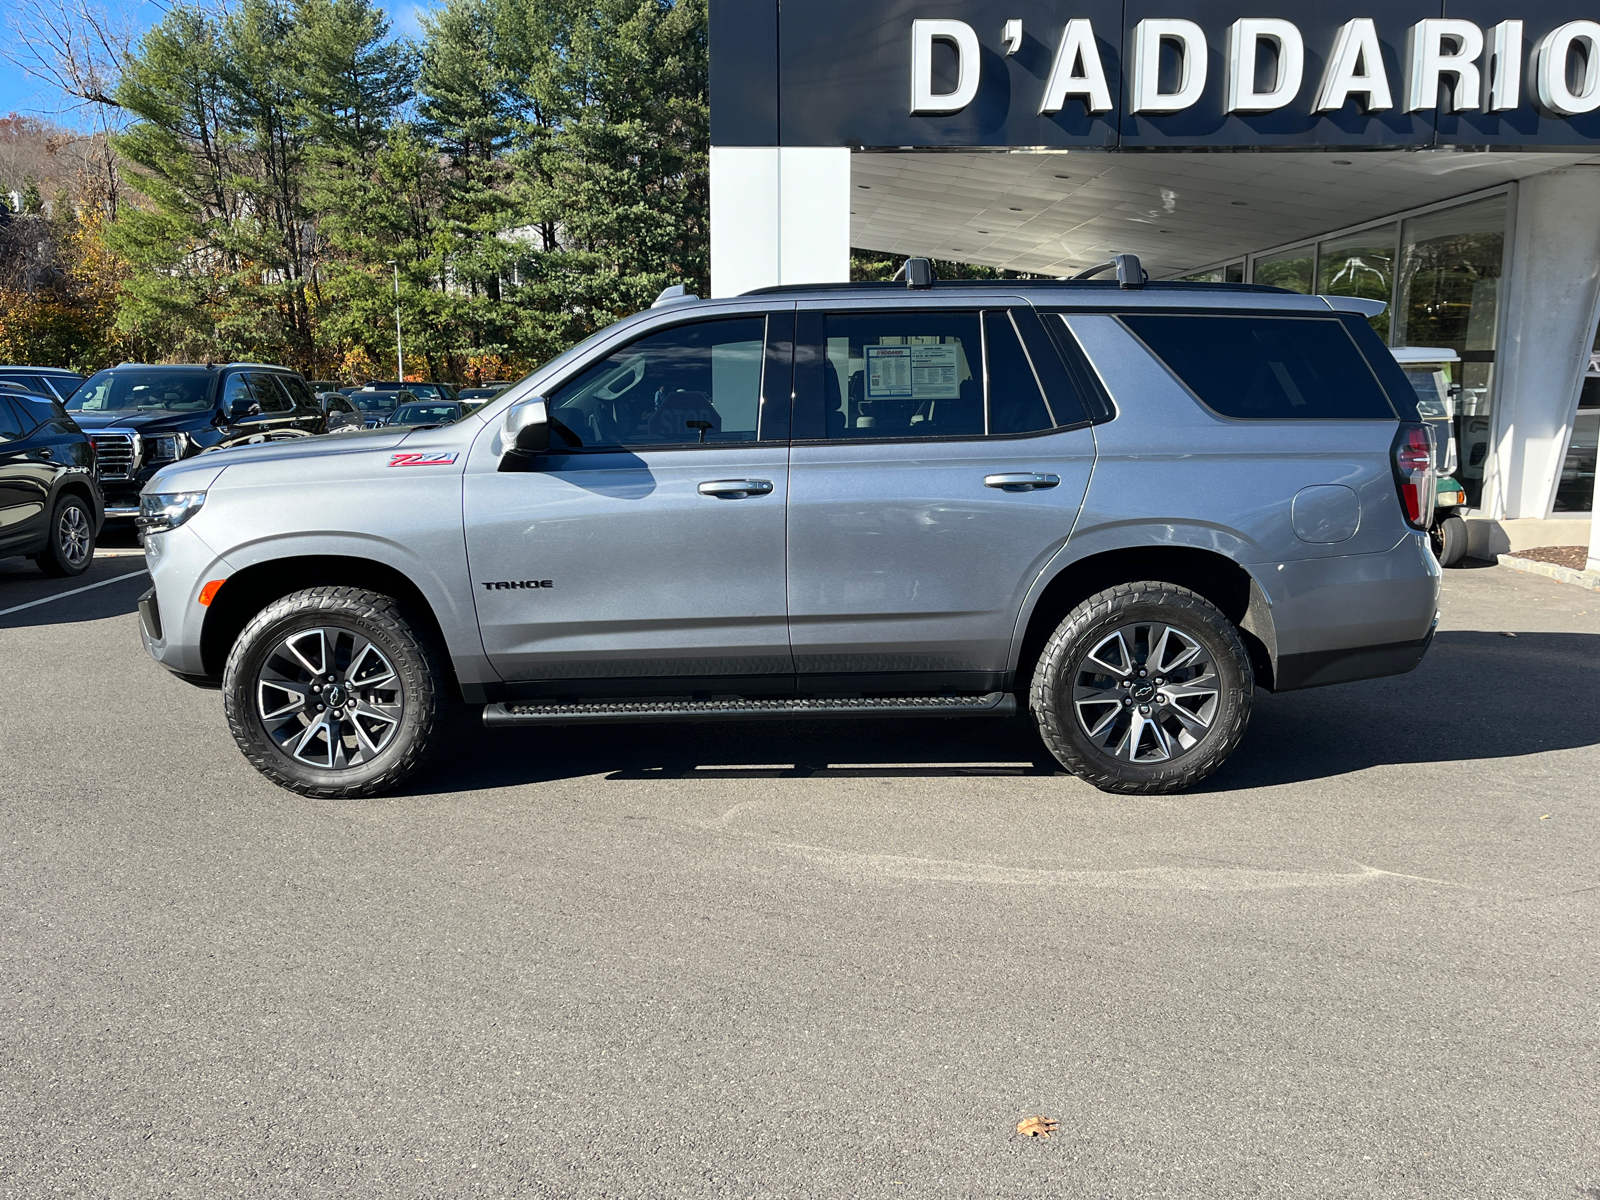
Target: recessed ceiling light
{"points": [[1016, 210], [1163, 231], [983, 231], [1063, 176], [1341, 162], [1240, 203], [864, 186]]}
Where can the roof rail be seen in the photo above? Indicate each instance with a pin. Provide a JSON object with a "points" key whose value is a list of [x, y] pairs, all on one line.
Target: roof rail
{"points": [[1129, 273]]}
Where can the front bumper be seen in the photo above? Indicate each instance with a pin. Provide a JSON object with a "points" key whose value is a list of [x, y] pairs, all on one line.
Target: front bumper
{"points": [[171, 618]]}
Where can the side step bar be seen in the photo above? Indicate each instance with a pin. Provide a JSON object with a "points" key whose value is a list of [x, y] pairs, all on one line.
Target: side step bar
{"points": [[994, 704]]}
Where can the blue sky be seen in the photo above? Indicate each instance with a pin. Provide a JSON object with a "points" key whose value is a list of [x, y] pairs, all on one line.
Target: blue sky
{"points": [[23, 94]]}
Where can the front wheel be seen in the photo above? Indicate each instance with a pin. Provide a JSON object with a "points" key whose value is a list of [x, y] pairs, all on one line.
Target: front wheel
{"points": [[1143, 688], [332, 692], [70, 548]]}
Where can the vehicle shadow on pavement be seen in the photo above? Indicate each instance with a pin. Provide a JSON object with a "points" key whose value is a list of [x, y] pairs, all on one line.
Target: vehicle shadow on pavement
{"points": [[21, 583], [1476, 696]]}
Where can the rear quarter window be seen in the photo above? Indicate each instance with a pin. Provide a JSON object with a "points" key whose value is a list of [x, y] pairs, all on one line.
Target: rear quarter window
{"points": [[1266, 367]]}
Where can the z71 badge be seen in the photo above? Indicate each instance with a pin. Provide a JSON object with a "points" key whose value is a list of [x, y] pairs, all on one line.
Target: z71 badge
{"points": [[423, 458]]}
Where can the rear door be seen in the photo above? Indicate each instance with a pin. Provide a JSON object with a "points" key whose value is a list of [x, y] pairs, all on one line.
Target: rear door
{"points": [[25, 477], [648, 545], [940, 460]]}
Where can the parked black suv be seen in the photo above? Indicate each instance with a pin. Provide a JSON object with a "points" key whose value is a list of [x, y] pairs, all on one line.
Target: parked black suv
{"points": [[50, 504], [54, 382], [142, 417]]}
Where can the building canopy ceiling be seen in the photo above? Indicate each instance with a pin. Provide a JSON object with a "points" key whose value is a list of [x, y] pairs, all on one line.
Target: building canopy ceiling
{"points": [[1054, 212]]}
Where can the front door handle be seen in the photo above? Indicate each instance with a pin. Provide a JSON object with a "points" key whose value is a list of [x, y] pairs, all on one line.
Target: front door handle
{"points": [[735, 489], [1025, 481]]}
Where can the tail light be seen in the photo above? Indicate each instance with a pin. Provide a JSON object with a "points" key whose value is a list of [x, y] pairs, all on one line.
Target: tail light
{"points": [[1412, 454]]}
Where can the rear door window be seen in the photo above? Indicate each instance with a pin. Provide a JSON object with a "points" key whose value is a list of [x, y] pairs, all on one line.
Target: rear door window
{"points": [[270, 393], [1266, 367], [298, 391]]}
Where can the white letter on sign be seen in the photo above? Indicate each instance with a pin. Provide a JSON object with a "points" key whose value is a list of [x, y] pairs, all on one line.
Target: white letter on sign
{"points": [[1077, 71], [958, 34], [1147, 38], [1428, 59], [1550, 69], [1505, 67], [1355, 68], [1244, 40]]}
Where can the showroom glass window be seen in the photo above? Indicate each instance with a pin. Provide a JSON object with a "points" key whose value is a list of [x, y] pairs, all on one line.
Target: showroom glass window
{"points": [[1290, 269], [693, 384], [1447, 294], [1575, 489], [1360, 264]]}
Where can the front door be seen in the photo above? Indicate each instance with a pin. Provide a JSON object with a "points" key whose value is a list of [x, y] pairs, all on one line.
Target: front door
{"points": [[938, 465], [645, 552]]}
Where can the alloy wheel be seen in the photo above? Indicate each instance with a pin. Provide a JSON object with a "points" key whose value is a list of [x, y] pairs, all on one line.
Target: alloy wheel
{"points": [[1146, 693], [329, 698], [73, 535]]}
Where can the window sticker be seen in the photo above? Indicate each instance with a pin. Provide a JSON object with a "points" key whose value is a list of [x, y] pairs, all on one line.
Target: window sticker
{"points": [[890, 371], [934, 374], [919, 371]]}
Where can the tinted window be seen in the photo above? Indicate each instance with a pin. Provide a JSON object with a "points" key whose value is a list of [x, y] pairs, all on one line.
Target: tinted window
{"points": [[270, 393], [902, 375], [689, 384], [1016, 405], [236, 393], [143, 390], [10, 422], [378, 402], [34, 412], [299, 392], [425, 414], [34, 383], [1266, 367]]}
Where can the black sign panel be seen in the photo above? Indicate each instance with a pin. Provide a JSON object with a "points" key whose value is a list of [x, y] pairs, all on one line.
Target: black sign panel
{"points": [[1161, 74]]}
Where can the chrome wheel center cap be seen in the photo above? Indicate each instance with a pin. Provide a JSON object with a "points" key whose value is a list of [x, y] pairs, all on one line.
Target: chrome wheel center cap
{"points": [[334, 696]]}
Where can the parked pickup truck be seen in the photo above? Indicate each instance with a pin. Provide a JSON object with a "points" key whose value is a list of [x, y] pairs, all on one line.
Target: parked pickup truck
{"points": [[1119, 506]]}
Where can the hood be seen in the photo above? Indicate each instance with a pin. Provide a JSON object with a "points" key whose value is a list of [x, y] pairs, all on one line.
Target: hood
{"points": [[201, 471], [149, 424]]}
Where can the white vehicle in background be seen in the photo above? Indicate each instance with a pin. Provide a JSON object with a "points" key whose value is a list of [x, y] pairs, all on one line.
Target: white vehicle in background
{"points": [[1429, 369]]}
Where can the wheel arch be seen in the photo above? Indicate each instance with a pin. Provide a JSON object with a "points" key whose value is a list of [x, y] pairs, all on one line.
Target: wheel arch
{"points": [[1210, 574], [251, 589]]}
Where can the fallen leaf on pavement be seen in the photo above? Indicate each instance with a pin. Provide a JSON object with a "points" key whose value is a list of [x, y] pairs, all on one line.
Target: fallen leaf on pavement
{"points": [[1037, 1126]]}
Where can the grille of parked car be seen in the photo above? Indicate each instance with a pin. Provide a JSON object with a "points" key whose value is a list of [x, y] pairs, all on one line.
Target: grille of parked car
{"points": [[116, 453]]}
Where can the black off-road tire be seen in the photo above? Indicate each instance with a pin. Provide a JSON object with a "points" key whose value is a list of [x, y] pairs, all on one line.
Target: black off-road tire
{"points": [[1449, 539], [380, 620], [1097, 618], [69, 548]]}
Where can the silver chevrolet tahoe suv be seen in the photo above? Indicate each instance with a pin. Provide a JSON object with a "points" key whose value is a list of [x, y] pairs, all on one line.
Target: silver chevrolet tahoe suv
{"points": [[1120, 505]]}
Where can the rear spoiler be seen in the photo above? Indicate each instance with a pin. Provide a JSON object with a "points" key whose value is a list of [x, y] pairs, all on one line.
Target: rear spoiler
{"points": [[1354, 304]]}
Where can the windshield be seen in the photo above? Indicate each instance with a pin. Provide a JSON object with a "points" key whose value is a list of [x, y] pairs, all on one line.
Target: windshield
{"points": [[143, 391], [375, 401], [424, 414]]}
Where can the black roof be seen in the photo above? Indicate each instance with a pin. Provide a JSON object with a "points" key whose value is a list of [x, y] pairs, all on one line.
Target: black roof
{"points": [[1164, 285]]}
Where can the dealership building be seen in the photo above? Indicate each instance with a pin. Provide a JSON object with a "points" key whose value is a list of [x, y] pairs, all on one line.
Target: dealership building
{"points": [[1443, 157]]}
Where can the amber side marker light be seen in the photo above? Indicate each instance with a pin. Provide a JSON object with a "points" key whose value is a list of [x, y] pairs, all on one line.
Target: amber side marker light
{"points": [[209, 592]]}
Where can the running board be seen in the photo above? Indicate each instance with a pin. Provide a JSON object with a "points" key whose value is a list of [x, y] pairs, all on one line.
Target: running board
{"points": [[994, 704]]}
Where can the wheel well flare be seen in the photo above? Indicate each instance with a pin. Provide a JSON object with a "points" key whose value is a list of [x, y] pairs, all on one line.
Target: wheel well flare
{"points": [[1215, 576]]}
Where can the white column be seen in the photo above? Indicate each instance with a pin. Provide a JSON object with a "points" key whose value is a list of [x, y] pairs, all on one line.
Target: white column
{"points": [[779, 215], [1552, 299]]}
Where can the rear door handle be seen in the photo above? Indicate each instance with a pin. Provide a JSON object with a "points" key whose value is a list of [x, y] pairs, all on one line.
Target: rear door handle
{"points": [[1025, 481], [735, 489]]}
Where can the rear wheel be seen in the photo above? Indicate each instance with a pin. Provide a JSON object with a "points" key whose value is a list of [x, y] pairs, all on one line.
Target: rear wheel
{"points": [[332, 692], [70, 548], [1449, 538], [1144, 688]]}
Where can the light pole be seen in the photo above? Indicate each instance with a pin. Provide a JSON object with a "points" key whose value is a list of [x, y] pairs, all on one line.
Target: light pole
{"points": [[399, 354]]}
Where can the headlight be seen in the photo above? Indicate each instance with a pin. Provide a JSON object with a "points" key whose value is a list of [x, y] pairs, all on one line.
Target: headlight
{"points": [[168, 449], [161, 511]]}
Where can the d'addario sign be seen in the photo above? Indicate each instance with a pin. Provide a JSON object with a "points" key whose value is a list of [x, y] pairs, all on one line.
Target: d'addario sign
{"points": [[1483, 68]]}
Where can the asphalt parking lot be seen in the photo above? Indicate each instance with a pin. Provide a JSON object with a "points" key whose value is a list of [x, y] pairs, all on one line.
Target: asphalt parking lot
{"points": [[807, 960]]}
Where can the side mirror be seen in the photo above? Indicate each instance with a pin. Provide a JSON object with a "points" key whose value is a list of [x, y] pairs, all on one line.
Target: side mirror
{"points": [[244, 408], [527, 428]]}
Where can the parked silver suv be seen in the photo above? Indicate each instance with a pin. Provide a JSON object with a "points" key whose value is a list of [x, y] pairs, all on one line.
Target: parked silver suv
{"points": [[1124, 505]]}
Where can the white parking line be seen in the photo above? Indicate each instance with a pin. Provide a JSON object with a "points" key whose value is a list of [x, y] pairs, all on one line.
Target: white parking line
{"points": [[74, 592]]}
